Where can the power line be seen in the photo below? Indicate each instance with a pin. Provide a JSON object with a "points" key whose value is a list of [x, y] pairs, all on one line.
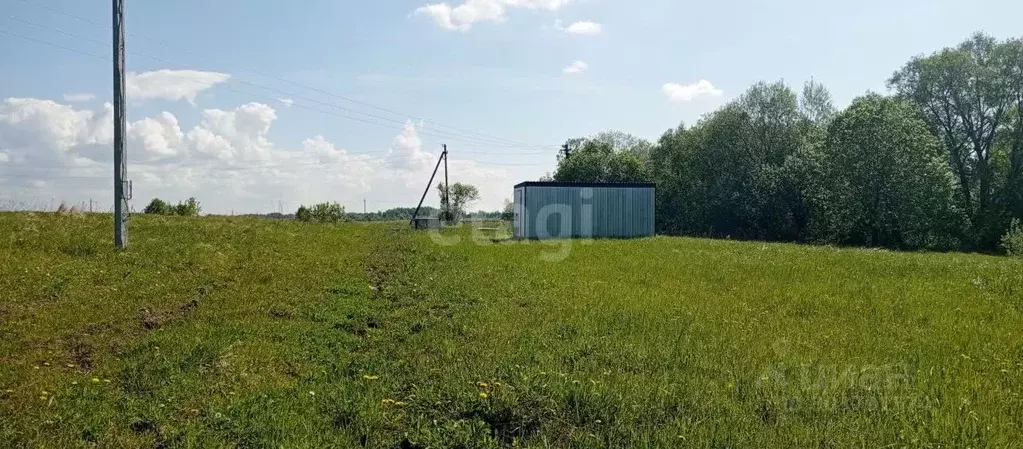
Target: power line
{"points": [[478, 135], [270, 99], [446, 134], [57, 172], [44, 174], [38, 41], [233, 165]]}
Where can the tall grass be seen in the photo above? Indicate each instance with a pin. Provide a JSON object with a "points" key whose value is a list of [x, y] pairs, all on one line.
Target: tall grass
{"points": [[212, 332]]}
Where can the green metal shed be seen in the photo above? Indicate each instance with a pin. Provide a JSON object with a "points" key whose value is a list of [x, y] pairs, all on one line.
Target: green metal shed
{"points": [[562, 210]]}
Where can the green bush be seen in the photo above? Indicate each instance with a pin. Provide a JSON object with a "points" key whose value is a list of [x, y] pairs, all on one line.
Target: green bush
{"points": [[158, 207], [1012, 241], [321, 213], [304, 214], [190, 208]]}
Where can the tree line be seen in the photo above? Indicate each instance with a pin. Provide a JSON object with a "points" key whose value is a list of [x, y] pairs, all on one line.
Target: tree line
{"points": [[935, 164]]}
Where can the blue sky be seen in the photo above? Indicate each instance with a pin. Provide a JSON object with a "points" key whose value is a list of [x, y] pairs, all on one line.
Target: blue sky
{"points": [[503, 77]]}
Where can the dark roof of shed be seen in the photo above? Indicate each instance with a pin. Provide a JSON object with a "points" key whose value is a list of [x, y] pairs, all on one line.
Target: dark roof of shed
{"points": [[633, 185]]}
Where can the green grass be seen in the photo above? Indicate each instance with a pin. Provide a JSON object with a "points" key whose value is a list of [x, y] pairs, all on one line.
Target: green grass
{"points": [[242, 332]]}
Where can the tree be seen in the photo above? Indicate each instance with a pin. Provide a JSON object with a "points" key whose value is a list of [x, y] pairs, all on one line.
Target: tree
{"points": [[508, 213], [961, 92], [321, 213], [304, 214], [734, 173], [883, 180], [777, 129], [158, 207], [671, 166], [1011, 63], [188, 208], [816, 105], [328, 213], [462, 196], [607, 157]]}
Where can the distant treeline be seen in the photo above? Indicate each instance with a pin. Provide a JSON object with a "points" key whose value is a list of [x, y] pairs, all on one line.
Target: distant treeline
{"points": [[395, 214], [937, 164], [329, 214], [405, 214]]}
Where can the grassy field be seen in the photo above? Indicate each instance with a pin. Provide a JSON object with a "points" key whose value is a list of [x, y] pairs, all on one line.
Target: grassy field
{"points": [[250, 333]]}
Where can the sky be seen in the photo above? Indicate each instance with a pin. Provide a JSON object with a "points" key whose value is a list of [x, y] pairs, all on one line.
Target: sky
{"points": [[258, 106]]}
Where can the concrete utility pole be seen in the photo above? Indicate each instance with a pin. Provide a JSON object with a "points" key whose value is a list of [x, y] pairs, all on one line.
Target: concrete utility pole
{"points": [[447, 187], [120, 125], [429, 185]]}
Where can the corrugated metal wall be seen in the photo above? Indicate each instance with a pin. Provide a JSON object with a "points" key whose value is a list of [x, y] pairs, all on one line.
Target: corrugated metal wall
{"points": [[582, 212]]}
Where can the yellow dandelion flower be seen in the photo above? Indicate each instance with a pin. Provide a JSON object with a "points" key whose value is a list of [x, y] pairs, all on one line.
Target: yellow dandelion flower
{"points": [[95, 380], [483, 395], [74, 382], [370, 377], [312, 393], [482, 385]]}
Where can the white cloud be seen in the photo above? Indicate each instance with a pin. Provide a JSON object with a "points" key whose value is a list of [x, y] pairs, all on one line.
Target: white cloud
{"points": [[236, 135], [287, 102], [463, 16], [584, 28], [160, 136], [171, 85], [680, 93], [54, 128], [576, 68], [225, 159], [78, 98], [407, 150]]}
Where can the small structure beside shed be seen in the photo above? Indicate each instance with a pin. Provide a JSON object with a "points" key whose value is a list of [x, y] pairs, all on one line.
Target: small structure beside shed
{"points": [[426, 223], [563, 210]]}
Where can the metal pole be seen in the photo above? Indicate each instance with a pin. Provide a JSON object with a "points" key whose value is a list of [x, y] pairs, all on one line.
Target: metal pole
{"points": [[447, 187], [120, 125]]}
